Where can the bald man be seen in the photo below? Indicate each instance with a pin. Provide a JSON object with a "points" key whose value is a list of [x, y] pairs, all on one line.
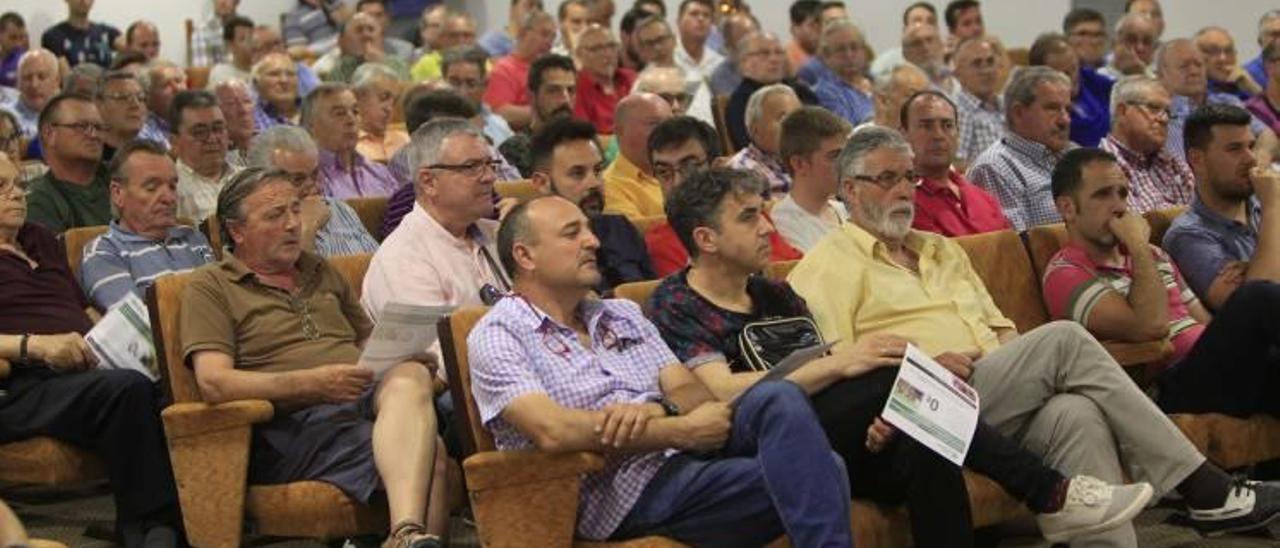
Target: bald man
{"points": [[629, 185], [37, 83], [143, 37]]}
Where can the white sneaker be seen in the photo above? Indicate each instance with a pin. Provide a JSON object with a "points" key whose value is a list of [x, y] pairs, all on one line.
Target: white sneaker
{"points": [[1093, 506]]}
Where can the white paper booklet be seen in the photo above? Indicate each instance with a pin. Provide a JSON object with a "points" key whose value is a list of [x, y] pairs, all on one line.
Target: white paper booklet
{"points": [[122, 338], [403, 331], [933, 406]]}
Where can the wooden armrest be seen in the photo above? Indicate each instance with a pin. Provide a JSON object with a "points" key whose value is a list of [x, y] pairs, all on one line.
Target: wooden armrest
{"points": [[5, 368], [494, 469], [198, 418], [1130, 354]]}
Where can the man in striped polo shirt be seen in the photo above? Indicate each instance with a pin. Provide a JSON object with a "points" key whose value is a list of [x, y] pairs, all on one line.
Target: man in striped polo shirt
{"points": [[145, 241]]}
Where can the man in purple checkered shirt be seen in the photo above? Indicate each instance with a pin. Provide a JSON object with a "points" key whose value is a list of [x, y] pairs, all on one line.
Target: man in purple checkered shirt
{"points": [[1139, 129], [554, 369]]}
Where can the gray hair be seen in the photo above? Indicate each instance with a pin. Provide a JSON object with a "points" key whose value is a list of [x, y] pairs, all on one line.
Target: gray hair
{"points": [[755, 104], [146, 75], [371, 74], [233, 194], [322, 91], [83, 70], [843, 23], [282, 137], [1267, 18], [424, 146], [1022, 85], [100, 90], [1129, 19], [1164, 48], [864, 141], [741, 46], [884, 81], [261, 65], [1129, 89], [644, 80], [464, 54]]}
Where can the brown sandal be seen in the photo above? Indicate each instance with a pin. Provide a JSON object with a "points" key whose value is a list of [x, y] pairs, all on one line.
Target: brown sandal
{"points": [[411, 534]]}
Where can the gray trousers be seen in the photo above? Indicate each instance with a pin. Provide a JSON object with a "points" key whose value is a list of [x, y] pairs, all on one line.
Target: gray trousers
{"points": [[1059, 393]]}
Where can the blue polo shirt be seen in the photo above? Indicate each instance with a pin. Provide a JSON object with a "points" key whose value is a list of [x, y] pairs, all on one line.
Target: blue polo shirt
{"points": [[121, 261], [1202, 242]]}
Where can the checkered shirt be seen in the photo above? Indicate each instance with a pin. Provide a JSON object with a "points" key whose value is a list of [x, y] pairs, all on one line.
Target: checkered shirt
{"points": [[155, 128], [1181, 108], [981, 123], [1018, 172], [265, 116], [1156, 181], [207, 46], [516, 349], [765, 164]]}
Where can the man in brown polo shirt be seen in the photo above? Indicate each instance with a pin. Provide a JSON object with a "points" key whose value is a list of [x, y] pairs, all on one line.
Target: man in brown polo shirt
{"points": [[274, 322], [55, 390]]}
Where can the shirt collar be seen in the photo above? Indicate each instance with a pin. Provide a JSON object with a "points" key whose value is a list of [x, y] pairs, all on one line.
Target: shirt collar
{"points": [[869, 244], [235, 270], [119, 231], [972, 102], [1134, 157], [935, 187], [329, 158], [429, 223], [769, 161], [1212, 217], [628, 170], [1033, 149]]}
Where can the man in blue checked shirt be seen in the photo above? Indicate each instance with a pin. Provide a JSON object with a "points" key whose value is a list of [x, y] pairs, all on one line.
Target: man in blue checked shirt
{"points": [[554, 369], [146, 241]]}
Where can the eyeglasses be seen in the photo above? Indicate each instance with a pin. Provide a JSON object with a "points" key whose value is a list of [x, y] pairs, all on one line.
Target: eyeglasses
{"points": [[669, 172], [139, 97], [83, 128], [204, 132], [1154, 109], [889, 179], [474, 168]]}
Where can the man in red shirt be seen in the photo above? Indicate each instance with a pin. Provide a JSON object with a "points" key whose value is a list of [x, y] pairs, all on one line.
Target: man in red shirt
{"points": [[677, 147], [601, 83], [508, 90], [946, 202]]}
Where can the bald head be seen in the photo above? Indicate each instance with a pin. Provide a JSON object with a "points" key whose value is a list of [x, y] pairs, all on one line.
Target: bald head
{"points": [[37, 78], [736, 27], [635, 119]]}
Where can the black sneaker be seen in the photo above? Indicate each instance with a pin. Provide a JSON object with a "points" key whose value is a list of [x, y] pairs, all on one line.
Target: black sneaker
{"points": [[1250, 505]]}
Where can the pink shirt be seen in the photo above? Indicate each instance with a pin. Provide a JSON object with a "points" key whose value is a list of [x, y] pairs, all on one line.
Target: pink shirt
{"points": [[421, 263], [508, 83]]}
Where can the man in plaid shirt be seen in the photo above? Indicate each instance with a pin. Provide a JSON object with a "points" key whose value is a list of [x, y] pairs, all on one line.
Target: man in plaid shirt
{"points": [[556, 370], [1139, 129], [207, 45], [978, 98]]}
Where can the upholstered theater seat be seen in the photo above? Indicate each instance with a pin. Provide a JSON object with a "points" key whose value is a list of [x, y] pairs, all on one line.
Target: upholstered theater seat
{"points": [[1232, 442]]}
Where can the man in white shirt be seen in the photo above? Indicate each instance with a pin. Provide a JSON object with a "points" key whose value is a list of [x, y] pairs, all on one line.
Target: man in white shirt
{"points": [[237, 34], [199, 141], [812, 138], [443, 251], [694, 25]]}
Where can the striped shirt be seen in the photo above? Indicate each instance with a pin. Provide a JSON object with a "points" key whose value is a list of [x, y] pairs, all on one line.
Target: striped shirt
{"points": [[363, 180], [1158, 180], [207, 46], [344, 234], [517, 349], [121, 261], [1018, 172], [310, 26], [155, 128], [981, 123]]}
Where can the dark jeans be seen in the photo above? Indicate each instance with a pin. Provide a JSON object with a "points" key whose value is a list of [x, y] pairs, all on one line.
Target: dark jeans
{"points": [[775, 474], [111, 413], [1234, 367]]}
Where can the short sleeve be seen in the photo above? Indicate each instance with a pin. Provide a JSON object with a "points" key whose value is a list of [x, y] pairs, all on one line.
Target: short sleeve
{"points": [[499, 372], [1198, 255], [503, 88], [682, 326], [1071, 290], [205, 321], [104, 274]]}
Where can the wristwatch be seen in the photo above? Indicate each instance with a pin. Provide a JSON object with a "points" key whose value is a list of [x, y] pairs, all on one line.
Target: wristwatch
{"points": [[22, 348], [669, 407]]}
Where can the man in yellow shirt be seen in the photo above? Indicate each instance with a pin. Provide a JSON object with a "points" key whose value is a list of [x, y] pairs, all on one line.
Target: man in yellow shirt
{"points": [[629, 185], [1055, 389]]}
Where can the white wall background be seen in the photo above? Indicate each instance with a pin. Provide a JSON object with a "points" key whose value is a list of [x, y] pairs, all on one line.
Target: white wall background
{"points": [[1017, 22]]}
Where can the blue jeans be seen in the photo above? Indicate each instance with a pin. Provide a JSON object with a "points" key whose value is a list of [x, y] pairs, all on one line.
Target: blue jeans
{"points": [[776, 474]]}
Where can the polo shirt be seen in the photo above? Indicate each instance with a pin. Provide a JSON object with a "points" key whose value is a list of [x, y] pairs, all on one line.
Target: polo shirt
{"points": [[630, 192], [700, 332], [225, 308], [363, 180], [1074, 283], [767, 166], [854, 289], [1157, 180], [981, 123], [593, 104], [197, 194], [971, 210], [1202, 242], [1091, 108], [42, 300], [516, 350], [59, 205], [669, 254], [1264, 111], [508, 83], [91, 45], [802, 229], [121, 261], [1018, 171]]}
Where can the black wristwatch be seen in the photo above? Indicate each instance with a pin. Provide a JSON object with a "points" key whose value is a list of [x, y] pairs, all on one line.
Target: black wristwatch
{"points": [[669, 407]]}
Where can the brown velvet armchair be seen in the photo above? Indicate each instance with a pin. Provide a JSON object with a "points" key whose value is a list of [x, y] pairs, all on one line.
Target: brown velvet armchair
{"points": [[209, 449]]}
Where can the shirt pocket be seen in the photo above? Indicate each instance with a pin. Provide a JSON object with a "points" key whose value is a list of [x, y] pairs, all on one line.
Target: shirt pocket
{"points": [[325, 311]]}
